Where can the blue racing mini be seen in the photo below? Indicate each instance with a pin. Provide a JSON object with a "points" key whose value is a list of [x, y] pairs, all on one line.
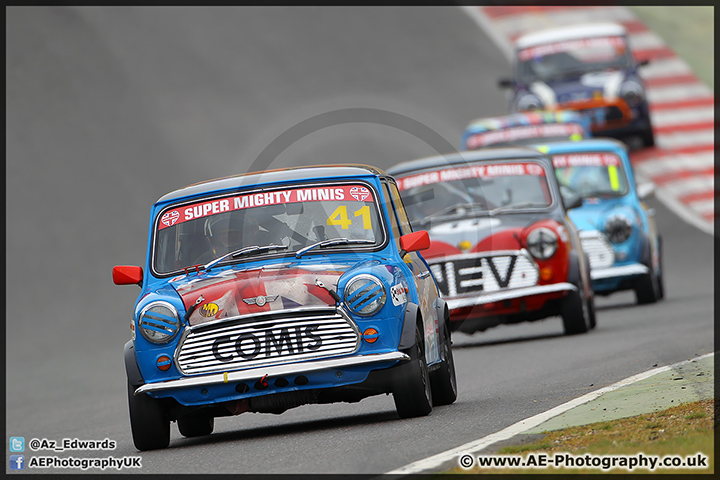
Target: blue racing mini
{"points": [[617, 229], [267, 291]]}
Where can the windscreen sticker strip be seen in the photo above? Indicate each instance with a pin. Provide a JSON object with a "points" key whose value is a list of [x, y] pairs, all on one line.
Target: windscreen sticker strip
{"points": [[586, 160], [483, 139], [349, 193], [569, 45], [474, 171]]}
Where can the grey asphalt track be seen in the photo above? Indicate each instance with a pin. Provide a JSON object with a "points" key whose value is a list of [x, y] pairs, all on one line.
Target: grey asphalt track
{"points": [[110, 108]]}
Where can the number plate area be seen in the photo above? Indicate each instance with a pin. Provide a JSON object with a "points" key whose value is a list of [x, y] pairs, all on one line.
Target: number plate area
{"points": [[464, 274], [267, 339]]}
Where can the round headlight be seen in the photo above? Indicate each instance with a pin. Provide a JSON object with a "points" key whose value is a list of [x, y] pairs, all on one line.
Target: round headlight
{"points": [[159, 322], [542, 243], [632, 92], [529, 102], [618, 228], [365, 294]]}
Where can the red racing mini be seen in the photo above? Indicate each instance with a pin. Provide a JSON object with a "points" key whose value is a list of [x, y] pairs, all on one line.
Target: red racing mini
{"points": [[502, 247]]}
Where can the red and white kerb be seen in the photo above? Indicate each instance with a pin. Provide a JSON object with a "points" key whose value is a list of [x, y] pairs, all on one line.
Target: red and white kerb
{"points": [[351, 193], [474, 171]]}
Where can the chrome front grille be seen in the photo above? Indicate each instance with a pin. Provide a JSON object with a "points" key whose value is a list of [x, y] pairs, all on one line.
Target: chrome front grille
{"points": [[598, 249], [484, 272], [266, 339]]}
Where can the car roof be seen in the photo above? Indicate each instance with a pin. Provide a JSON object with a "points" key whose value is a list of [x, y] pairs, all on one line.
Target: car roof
{"points": [[569, 33], [586, 145], [458, 158], [313, 172]]}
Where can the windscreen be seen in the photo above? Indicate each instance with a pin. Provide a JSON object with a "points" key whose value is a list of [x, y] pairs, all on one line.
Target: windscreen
{"points": [[295, 217], [590, 174], [572, 58], [451, 191]]}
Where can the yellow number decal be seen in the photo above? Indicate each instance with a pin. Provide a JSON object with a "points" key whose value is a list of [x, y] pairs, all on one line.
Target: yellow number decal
{"points": [[365, 212], [339, 217], [614, 180]]}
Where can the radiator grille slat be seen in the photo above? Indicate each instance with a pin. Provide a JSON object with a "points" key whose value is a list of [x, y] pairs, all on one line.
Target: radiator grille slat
{"points": [[266, 340], [598, 249], [484, 272]]}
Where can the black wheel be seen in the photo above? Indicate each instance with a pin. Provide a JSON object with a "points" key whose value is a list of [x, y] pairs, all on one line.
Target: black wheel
{"points": [[148, 421], [412, 393], [575, 311], [660, 281], [196, 426], [442, 380], [648, 138]]}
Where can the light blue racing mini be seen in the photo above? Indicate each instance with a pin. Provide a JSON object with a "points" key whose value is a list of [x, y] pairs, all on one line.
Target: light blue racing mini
{"points": [[617, 228]]}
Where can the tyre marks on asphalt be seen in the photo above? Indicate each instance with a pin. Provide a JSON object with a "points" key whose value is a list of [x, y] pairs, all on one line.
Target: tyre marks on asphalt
{"points": [[681, 106]]}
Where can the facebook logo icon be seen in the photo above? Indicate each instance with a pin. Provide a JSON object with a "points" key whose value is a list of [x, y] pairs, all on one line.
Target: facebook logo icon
{"points": [[17, 462]]}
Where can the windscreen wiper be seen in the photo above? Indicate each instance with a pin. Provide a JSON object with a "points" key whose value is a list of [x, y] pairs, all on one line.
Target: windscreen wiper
{"points": [[244, 251], [330, 243], [514, 206]]}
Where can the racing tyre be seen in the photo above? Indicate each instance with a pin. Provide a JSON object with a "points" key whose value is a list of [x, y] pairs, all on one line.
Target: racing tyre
{"points": [[412, 393], [647, 288], [648, 138], [148, 421], [196, 426], [660, 281], [575, 311], [442, 380]]}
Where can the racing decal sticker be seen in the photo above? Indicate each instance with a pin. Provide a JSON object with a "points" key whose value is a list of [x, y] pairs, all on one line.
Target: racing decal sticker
{"points": [[398, 294], [586, 160], [209, 310], [169, 218], [569, 45], [475, 171], [359, 193], [349, 193], [479, 140]]}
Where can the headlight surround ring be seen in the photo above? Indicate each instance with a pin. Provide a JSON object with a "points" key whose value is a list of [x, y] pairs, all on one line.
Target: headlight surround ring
{"points": [[159, 322], [365, 294], [632, 92], [529, 101], [618, 228], [542, 243]]}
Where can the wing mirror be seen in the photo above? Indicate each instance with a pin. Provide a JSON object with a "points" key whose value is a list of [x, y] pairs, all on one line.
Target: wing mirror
{"points": [[505, 83], [644, 190], [574, 202], [412, 242], [127, 275]]}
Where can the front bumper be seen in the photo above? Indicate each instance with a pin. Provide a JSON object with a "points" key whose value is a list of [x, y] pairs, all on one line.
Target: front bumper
{"points": [[485, 298], [621, 271], [271, 371]]}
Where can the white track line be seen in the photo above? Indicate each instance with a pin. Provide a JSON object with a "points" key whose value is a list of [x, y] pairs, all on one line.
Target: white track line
{"points": [[487, 26], [428, 465]]}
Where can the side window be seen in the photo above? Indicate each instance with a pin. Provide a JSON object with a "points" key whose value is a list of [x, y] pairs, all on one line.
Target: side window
{"points": [[391, 213], [400, 210]]}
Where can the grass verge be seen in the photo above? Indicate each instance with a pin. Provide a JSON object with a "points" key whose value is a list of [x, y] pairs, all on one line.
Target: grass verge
{"points": [[682, 431]]}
